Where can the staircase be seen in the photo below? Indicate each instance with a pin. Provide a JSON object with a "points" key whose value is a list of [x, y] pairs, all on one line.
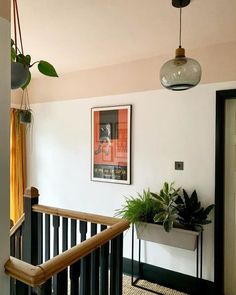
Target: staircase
{"points": [[57, 251]]}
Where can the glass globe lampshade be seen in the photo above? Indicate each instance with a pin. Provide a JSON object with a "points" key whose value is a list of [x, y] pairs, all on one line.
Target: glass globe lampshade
{"points": [[180, 73]]}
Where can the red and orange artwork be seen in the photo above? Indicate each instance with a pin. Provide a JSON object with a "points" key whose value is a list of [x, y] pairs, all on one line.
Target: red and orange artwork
{"points": [[111, 144]]}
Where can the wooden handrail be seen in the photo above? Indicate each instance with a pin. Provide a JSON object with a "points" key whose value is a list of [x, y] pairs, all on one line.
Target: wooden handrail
{"points": [[89, 217], [37, 275], [17, 225]]}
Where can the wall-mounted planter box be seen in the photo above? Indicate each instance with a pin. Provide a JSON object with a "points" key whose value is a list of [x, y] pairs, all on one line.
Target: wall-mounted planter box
{"points": [[177, 237]]}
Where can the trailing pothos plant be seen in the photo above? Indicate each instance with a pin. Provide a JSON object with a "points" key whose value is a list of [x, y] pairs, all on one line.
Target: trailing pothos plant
{"points": [[21, 64]]}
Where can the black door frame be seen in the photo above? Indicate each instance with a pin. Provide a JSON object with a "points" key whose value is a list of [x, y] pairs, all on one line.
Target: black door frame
{"points": [[221, 97]]}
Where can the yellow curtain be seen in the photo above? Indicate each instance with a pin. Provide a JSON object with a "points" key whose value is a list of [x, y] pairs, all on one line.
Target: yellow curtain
{"points": [[17, 166]]}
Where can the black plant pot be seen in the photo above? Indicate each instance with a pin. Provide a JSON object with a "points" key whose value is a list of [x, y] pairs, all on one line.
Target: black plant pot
{"points": [[19, 75], [25, 116]]}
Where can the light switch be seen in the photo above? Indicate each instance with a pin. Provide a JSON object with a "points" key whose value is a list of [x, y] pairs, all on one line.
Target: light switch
{"points": [[179, 165]]}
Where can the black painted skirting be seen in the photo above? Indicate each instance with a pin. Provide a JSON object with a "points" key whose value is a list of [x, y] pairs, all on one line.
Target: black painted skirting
{"points": [[171, 279]]}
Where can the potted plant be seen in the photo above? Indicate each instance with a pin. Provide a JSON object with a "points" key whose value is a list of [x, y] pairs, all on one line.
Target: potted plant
{"points": [[163, 231], [20, 68], [25, 112], [156, 218], [167, 212], [191, 214], [139, 209], [20, 62], [25, 116]]}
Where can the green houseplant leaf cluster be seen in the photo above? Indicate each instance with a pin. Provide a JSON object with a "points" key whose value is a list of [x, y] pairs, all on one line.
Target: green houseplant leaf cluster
{"points": [[190, 212], [168, 208], [167, 212], [139, 209], [44, 67]]}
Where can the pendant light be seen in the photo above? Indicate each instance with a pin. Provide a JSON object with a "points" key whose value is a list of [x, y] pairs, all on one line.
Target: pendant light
{"points": [[182, 72]]}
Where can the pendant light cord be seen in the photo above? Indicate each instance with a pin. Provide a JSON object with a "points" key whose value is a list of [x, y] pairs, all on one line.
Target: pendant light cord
{"points": [[180, 26]]}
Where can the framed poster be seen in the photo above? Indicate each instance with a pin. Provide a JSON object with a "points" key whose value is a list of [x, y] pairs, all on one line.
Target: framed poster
{"points": [[111, 144]]}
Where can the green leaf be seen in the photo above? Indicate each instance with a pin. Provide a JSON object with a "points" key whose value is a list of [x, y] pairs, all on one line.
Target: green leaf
{"points": [[168, 225], [208, 209], [12, 42], [22, 59], [47, 69], [27, 81], [159, 217], [154, 196], [13, 54], [28, 59], [166, 188], [179, 201]]}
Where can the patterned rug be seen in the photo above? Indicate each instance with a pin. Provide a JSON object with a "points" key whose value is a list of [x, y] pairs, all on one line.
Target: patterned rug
{"points": [[131, 290]]}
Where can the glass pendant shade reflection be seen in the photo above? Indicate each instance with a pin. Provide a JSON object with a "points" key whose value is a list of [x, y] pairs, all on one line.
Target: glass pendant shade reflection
{"points": [[180, 73]]}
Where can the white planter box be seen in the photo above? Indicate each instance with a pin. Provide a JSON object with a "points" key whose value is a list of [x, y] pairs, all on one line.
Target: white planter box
{"points": [[177, 237]]}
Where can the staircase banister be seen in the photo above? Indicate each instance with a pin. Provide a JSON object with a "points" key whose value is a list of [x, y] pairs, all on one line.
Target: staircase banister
{"points": [[17, 225], [89, 217], [59, 262], [37, 275], [24, 272]]}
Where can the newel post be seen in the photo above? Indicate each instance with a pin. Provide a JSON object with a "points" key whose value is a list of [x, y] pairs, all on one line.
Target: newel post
{"points": [[30, 229]]}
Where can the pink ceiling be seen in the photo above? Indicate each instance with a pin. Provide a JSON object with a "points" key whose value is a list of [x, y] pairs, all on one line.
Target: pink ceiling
{"points": [[83, 34]]}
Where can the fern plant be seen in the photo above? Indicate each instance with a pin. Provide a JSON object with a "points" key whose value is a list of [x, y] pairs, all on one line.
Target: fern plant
{"points": [[167, 207], [190, 212], [139, 209]]}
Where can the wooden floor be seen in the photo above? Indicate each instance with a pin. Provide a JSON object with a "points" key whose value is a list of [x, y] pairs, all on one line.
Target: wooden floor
{"points": [[131, 290]]}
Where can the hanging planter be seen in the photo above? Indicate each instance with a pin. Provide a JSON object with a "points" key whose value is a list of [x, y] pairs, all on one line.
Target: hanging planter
{"points": [[20, 62], [25, 112], [19, 75], [25, 116]]}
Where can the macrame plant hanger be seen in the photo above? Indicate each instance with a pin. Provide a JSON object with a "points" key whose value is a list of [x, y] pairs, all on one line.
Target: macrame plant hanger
{"points": [[17, 26]]}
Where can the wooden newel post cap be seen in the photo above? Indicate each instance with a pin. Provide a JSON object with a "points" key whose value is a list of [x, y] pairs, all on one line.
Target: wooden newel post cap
{"points": [[31, 192]]}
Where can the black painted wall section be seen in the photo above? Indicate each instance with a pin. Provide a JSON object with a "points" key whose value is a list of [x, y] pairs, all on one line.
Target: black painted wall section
{"points": [[221, 97]]}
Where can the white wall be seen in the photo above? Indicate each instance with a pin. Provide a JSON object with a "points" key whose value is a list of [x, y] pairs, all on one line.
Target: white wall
{"points": [[4, 150], [167, 126]]}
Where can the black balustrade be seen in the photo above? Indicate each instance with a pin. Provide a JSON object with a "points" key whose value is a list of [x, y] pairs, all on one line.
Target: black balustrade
{"points": [[43, 236]]}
